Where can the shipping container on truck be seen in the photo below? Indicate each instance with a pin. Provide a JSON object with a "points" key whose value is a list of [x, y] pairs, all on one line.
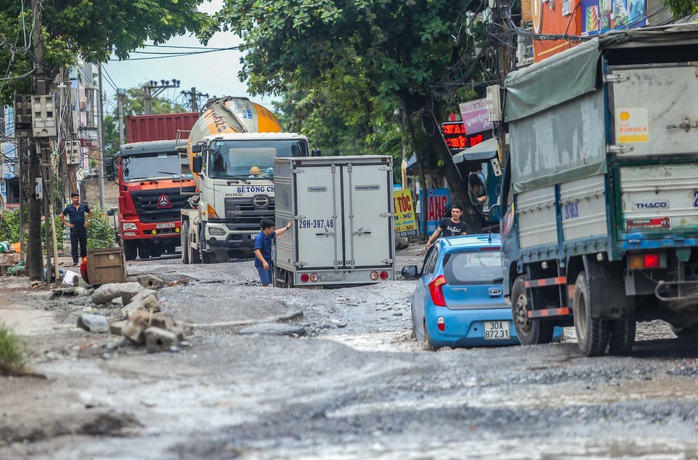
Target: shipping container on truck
{"points": [[342, 213], [162, 127], [599, 191]]}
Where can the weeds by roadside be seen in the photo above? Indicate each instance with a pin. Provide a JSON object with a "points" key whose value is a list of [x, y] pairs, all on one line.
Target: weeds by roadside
{"points": [[11, 359]]}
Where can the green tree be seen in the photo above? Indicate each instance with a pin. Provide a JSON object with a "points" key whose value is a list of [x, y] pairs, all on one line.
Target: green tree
{"points": [[417, 52], [91, 29], [681, 8]]}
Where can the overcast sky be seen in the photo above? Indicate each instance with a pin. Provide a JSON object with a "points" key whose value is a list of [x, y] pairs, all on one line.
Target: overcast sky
{"points": [[212, 72]]}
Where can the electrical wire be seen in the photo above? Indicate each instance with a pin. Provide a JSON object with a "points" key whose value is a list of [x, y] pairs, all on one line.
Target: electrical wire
{"points": [[171, 55]]}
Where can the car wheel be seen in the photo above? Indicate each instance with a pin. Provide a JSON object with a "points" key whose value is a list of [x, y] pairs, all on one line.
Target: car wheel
{"points": [[427, 345], [622, 337], [529, 331], [592, 333]]}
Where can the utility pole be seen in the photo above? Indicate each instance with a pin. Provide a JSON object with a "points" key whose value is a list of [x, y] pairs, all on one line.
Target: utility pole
{"points": [[120, 98], [194, 98], [35, 185], [152, 89], [100, 164]]}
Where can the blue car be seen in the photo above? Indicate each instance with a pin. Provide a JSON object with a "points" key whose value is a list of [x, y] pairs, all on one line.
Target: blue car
{"points": [[458, 301]]}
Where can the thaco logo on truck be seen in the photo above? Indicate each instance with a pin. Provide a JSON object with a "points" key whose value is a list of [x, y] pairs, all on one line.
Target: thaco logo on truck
{"points": [[651, 205], [317, 189]]}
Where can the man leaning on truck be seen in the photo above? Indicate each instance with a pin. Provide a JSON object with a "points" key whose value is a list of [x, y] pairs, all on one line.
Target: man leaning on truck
{"points": [[262, 249]]}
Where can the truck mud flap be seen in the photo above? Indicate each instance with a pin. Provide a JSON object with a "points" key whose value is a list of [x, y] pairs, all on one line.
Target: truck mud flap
{"points": [[683, 293]]}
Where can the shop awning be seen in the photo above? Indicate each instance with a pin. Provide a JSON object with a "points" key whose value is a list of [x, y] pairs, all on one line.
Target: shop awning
{"points": [[484, 151]]}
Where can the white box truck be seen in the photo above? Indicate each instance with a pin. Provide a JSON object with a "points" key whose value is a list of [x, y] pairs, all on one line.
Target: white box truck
{"points": [[342, 213]]}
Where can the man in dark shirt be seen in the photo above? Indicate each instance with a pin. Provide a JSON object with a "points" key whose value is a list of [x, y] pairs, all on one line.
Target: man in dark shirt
{"points": [[77, 225], [450, 226], [262, 249]]}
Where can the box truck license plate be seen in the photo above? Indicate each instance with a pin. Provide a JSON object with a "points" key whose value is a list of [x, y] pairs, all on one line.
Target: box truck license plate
{"points": [[496, 330], [167, 225]]}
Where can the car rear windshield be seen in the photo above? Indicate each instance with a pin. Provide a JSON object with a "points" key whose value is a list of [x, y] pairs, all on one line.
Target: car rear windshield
{"points": [[481, 267]]}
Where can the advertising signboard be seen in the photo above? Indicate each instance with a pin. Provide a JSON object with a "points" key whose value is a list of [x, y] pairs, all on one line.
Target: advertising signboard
{"points": [[405, 217], [600, 16], [475, 116], [436, 203]]}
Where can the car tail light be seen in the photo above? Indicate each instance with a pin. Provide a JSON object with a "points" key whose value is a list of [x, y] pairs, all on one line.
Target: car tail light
{"points": [[305, 278], [314, 277], [384, 275], [374, 276], [441, 323], [436, 292]]}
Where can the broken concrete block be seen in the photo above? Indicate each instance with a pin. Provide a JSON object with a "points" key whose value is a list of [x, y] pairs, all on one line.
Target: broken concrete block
{"points": [[136, 324], [107, 292], [162, 321], [116, 327], [150, 303], [140, 295], [93, 323], [151, 281], [159, 340]]}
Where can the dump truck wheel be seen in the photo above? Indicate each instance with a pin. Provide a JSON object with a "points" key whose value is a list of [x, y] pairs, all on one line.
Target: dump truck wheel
{"points": [[592, 333], [529, 331]]}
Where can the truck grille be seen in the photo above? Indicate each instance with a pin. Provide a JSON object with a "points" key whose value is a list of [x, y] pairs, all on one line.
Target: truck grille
{"points": [[247, 213], [148, 209]]}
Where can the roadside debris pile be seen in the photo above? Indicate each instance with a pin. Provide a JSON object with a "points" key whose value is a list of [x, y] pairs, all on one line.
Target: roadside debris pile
{"points": [[140, 318]]}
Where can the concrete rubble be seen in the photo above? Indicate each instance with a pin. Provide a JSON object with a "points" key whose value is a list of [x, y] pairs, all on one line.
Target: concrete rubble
{"points": [[140, 319]]}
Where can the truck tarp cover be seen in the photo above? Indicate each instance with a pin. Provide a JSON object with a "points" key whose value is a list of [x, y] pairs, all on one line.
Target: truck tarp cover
{"points": [[553, 81], [573, 72]]}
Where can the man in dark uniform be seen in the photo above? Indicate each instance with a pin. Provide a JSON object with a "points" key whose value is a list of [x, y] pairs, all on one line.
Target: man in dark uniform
{"points": [[262, 249], [77, 225], [452, 226]]}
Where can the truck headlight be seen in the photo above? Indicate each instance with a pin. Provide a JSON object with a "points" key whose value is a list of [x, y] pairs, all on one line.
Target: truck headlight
{"points": [[129, 226], [215, 231]]}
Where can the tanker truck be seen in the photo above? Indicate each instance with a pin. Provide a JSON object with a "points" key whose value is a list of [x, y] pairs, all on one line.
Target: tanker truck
{"points": [[231, 151]]}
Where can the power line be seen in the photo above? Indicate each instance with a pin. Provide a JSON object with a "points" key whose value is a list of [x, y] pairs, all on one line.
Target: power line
{"points": [[171, 55]]}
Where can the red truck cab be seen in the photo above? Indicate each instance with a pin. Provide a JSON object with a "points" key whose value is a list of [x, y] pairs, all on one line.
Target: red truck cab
{"points": [[152, 191]]}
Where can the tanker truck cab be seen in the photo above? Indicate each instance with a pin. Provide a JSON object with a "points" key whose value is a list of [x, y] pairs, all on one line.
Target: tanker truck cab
{"points": [[236, 190]]}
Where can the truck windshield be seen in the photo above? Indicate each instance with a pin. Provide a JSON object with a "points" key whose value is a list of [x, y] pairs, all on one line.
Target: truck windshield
{"points": [[250, 160], [164, 165]]}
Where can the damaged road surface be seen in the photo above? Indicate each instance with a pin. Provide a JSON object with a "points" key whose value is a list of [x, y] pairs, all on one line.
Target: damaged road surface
{"points": [[290, 373]]}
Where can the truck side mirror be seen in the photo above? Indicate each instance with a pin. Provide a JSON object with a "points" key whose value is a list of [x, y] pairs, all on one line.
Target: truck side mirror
{"points": [[109, 169], [196, 148], [196, 163], [316, 153]]}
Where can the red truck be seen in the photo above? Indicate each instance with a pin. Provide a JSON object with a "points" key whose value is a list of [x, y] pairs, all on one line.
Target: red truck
{"points": [[152, 188]]}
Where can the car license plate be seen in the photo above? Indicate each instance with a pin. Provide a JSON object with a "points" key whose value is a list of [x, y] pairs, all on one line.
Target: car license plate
{"points": [[167, 225], [497, 330]]}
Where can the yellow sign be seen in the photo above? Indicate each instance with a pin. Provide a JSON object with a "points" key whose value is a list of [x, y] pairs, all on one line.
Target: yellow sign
{"points": [[632, 125], [405, 218]]}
